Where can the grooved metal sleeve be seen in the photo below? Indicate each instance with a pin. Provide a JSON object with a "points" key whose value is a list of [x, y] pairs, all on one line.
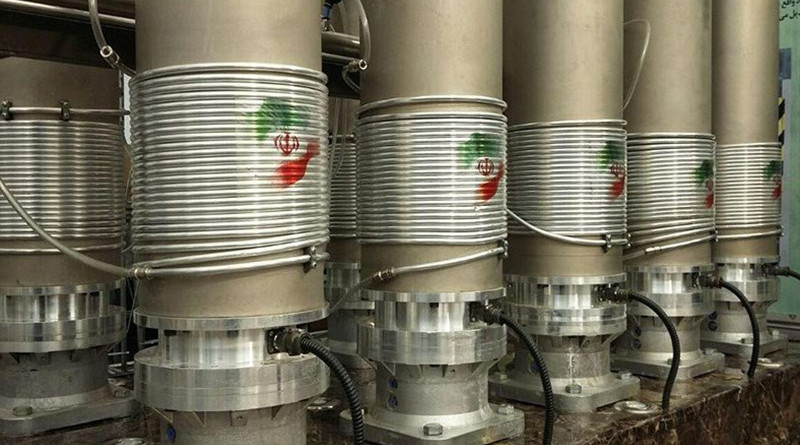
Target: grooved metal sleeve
{"points": [[229, 157], [749, 186], [68, 175], [568, 177], [343, 189], [435, 177], [670, 188]]}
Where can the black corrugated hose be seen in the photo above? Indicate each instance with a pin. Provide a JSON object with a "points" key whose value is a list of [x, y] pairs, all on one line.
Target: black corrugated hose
{"points": [[311, 346], [494, 315], [751, 314], [669, 383]]}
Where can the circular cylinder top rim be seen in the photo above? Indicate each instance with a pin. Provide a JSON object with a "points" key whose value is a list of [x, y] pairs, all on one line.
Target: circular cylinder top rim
{"points": [[556, 281], [568, 124], [666, 135], [671, 269], [752, 145], [201, 68], [425, 100], [721, 261], [229, 323]]}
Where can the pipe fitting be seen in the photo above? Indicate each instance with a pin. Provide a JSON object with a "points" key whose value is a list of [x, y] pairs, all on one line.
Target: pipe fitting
{"points": [[289, 341]]}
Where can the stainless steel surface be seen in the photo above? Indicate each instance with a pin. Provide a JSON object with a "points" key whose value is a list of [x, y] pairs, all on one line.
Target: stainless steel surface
{"points": [[563, 60], [223, 371], [421, 176], [567, 185], [674, 90], [230, 136], [256, 427], [748, 187], [745, 61], [645, 348], [670, 191], [415, 401], [569, 178], [728, 328], [56, 321], [68, 174]]}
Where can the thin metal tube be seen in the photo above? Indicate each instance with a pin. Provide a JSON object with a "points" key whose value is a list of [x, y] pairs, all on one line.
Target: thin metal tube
{"points": [[748, 187], [343, 191], [393, 272], [106, 51], [567, 181], [670, 191]]}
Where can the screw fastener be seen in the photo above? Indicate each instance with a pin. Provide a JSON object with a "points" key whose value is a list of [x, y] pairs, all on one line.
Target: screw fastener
{"points": [[433, 429], [505, 409]]}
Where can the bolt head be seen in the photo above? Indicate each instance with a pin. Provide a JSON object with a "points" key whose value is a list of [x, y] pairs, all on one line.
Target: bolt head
{"points": [[501, 376], [433, 429], [775, 333], [22, 411], [625, 375], [505, 409], [573, 388], [120, 393], [709, 351]]}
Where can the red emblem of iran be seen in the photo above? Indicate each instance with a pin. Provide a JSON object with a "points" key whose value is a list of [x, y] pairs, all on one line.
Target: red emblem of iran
{"points": [[486, 167], [286, 143]]}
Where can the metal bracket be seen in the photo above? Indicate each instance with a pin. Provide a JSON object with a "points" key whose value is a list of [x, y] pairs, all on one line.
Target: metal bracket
{"points": [[66, 114], [314, 259], [5, 110]]}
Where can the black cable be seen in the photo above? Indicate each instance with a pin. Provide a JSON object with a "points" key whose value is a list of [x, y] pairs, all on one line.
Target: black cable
{"points": [[784, 272], [751, 314], [493, 315], [311, 346], [669, 383]]}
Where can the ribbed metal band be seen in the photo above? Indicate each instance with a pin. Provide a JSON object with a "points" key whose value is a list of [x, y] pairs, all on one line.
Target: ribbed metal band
{"points": [[435, 177], [568, 177], [749, 186], [343, 189], [68, 176], [670, 187], [229, 158]]}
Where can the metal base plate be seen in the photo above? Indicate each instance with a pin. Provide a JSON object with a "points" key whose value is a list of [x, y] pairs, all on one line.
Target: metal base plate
{"points": [[589, 399], [120, 404], [498, 427], [711, 361], [769, 344]]}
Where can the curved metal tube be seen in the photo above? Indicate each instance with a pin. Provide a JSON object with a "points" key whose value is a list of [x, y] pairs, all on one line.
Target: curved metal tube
{"points": [[392, 272], [106, 51], [564, 238]]}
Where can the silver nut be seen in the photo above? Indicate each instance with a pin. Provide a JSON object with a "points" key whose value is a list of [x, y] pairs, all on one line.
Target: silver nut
{"points": [[505, 409], [501, 376], [709, 351], [22, 411], [573, 388], [120, 393], [433, 429], [775, 333], [625, 375]]}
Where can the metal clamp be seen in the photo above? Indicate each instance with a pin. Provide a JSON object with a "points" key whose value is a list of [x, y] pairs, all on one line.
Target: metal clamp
{"points": [[5, 110], [66, 114]]}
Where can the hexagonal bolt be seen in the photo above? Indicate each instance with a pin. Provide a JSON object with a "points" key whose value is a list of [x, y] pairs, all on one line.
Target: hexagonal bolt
{"points": [[573, 388], [501, 376], [22, 411], [120, 393], [709, 351], [625, 375], [505, 409], [433, 429], [775, 333]]}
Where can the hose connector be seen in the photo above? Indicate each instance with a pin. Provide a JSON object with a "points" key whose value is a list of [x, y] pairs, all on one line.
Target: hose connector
{"points": [[709, 281], [289, 341]]}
